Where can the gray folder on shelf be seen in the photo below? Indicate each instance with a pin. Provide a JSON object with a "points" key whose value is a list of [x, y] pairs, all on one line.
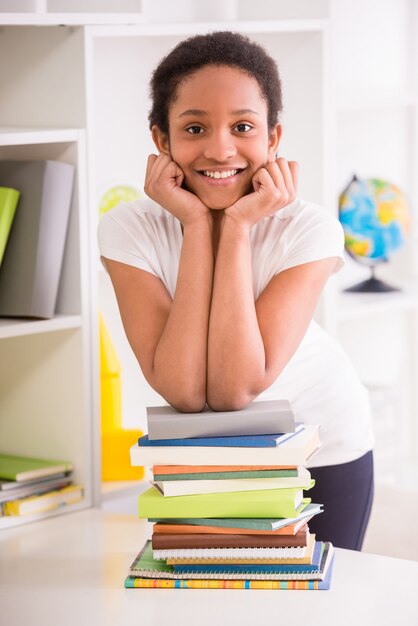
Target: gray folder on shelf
{"points": [[264, 417], [31, 268]]}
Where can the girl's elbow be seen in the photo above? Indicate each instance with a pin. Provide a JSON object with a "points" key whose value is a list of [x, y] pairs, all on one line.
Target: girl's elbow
{"points": [[231, 401]]}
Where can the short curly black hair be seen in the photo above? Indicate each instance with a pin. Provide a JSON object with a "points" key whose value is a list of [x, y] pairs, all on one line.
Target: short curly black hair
{"points": [[217, 48]]}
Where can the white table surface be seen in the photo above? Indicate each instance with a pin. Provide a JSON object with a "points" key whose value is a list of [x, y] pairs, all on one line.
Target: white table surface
{"points": [[69, 570]]}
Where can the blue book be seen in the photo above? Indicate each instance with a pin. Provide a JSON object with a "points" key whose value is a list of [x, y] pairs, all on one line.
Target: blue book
{"points": [[244, 441], [306, 568]]}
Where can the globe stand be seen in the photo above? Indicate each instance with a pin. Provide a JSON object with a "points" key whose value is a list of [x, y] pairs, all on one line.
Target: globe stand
{"points": [[372, 285]]}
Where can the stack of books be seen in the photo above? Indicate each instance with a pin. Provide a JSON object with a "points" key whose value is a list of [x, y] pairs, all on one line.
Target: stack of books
{"points": [[227, 501], [31, 485]]}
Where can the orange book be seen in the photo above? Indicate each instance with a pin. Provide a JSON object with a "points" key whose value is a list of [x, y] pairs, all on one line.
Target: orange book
{"points": [[189, 529], [198, 469]]}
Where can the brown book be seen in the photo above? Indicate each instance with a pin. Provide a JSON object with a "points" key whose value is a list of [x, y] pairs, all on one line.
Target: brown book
{"points": [[174, 542]]}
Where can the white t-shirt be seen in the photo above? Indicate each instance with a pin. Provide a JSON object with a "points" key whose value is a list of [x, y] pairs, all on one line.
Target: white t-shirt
{"points": [[319, 380]]}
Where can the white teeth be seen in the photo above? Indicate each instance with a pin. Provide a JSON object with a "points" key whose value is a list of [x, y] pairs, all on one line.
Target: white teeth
{"points": [[220, 174]]}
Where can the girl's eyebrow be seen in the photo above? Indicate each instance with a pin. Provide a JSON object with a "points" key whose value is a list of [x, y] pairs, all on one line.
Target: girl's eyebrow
{"points": [[201, 112]]}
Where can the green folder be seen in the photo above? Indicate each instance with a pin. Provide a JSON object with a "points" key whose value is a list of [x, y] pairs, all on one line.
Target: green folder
{"points": [[262, 503], [9, 199], [22, 468]]}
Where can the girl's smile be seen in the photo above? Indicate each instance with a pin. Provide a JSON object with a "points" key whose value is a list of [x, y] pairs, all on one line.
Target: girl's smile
{"points": [[218, 134]]}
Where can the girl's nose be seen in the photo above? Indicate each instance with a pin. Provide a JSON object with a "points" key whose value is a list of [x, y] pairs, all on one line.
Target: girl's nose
{"points": [[220, 147]]}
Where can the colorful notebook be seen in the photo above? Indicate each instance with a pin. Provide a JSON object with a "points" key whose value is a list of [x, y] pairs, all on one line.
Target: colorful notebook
{"points": [[132, 582]]}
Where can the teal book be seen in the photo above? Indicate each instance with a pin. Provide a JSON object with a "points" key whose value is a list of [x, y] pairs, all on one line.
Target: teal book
{"points": [[285, 473], [9, 199], [264, 503], [305, 510]]}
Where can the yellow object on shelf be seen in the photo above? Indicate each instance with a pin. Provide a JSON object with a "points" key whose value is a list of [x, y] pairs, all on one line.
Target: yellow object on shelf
{"points": [[110, 382], [116, 463], [116, 441]]}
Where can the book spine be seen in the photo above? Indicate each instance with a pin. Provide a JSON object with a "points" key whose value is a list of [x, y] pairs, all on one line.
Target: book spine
{"points": [[153, 583], [172, 541]]}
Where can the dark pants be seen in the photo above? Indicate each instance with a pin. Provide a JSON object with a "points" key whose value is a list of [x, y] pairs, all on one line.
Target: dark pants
{"points": [[346, 491]]}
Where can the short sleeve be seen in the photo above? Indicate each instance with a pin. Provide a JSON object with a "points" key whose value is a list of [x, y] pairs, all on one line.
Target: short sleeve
{"points": [[119, 241], [313, 234]]}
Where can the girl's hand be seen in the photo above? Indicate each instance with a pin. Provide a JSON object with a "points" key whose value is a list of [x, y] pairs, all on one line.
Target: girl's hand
{"points": [[275, 187], [163, 182]]}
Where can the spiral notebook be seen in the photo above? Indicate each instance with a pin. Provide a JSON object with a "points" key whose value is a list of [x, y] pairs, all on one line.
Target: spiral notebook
{"points": [[145, 572], [145, 566]]}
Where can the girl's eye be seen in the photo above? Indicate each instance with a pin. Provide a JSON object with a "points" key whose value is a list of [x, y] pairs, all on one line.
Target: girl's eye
{"points": [[243, 128], [194, 130]]}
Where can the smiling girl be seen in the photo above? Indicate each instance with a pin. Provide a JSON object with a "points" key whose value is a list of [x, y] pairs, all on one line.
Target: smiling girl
{"points": [[218, 272]]}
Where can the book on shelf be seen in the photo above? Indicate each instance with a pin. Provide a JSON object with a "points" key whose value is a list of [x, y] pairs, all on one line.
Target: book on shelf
{"points": [[265, 503], [259, 418], [146, 572], [306, 510], [221, 472], [45, 502], [31, 268], [242, 441], [9, 199], [189, 487], [34, 488], [22, 468], [295, 451], [166, 541], [15, 485]]}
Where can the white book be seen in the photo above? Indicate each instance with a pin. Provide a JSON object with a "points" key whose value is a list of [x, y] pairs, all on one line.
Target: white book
{"points": [[246, 554], [262, 417], [191, 487], [294, 451]]}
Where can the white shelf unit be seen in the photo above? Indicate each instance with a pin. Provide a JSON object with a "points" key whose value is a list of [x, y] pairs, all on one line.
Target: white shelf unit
{"points": [[70, 12], [46, 366]]}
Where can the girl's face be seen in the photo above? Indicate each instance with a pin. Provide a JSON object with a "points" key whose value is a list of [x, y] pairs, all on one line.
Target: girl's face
{"points": [[219, 134]]}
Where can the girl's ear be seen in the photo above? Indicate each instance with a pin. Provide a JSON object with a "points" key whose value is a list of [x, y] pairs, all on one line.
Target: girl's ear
{"points": [[274, 139], [161, 140]]}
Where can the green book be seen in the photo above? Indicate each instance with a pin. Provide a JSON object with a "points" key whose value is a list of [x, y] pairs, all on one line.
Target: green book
{"points": [[9, 199], [229, 475], [21, 468], [263, 503]]}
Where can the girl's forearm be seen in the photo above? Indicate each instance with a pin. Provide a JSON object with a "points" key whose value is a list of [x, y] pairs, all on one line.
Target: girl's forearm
{"points": [[236, 356], [180, 360]]}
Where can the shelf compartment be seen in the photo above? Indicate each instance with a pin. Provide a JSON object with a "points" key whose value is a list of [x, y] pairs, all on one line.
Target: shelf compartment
{"points": [[11, 521], [10, 328]]}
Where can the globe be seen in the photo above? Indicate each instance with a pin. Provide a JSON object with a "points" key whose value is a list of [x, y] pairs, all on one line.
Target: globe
{"points": [[376, 219], [115, 195]]}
